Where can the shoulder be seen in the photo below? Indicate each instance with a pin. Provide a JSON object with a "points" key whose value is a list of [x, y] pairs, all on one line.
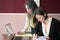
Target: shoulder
{"points": [[38, 23], [55, 21], [27, 16]]}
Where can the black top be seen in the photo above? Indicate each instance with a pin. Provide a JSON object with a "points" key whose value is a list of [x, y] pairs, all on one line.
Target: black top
{"points": [[54, 32]]}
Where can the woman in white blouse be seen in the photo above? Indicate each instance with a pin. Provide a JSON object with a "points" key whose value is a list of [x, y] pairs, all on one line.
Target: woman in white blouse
{"points": [[46, 27]]}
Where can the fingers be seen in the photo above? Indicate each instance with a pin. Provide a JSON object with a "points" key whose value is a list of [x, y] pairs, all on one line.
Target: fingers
{"points": [[35, 36]]}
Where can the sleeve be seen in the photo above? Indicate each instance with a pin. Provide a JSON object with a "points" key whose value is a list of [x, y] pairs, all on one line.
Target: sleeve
{"points": [[27, 24], [36, 28], [58, 30]]}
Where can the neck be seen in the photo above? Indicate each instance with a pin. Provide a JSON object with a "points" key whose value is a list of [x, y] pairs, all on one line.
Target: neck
{"points": [[46, 21]]}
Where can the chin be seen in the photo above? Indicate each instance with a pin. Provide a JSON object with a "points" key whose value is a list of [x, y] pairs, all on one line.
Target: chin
{"points": [[41, 21]]}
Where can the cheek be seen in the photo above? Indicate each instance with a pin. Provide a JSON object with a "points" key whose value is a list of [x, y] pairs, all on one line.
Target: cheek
{"points": [[41, 19]]}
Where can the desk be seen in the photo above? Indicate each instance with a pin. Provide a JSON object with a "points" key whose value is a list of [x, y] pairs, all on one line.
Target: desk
{"points": [[24, 35]]}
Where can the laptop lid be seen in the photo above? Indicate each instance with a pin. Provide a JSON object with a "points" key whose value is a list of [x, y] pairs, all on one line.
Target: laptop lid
{"points": [[8, 28]]}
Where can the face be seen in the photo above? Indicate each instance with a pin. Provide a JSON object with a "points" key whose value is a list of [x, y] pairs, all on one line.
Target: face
{"points": [[40, 18], [29, 10]]}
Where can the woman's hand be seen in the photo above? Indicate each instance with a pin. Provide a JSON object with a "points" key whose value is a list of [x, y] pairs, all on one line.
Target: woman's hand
{"points": [[35, 35], [11, 36], [47, 38], [20, 33]]}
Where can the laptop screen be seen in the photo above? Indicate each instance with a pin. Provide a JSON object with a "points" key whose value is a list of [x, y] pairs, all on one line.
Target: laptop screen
{"points": [[8, 28]]}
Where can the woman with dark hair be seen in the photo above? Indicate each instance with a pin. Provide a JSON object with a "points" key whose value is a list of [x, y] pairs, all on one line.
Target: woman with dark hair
{"points": [[46, 26], [30, 6]]}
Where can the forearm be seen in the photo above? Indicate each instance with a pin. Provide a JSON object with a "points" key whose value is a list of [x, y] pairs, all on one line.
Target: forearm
{"points": [[27, 24], [25, 28]]}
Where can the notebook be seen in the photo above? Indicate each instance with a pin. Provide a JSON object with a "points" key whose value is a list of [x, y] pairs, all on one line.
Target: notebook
{"points": [[39, 38]]}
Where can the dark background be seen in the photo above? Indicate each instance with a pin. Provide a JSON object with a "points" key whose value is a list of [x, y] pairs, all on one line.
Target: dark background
{"points": [[12, 6], [51, 6], [17, 6]]}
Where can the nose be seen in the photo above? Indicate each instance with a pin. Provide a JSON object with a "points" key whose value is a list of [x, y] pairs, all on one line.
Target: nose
{"points": [[38, 19]]}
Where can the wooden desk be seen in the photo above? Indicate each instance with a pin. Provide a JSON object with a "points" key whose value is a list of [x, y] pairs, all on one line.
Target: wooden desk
{"points": [[24, 35]]}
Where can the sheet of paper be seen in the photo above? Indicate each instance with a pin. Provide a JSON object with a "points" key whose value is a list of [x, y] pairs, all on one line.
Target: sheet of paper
{"points": [[39, 38]]}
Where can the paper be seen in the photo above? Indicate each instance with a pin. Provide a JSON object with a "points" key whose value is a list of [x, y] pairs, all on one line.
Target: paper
{"points": [[39, 38]]}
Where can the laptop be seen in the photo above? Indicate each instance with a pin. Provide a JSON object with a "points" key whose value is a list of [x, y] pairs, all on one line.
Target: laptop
{"points": [[8, 28], [9, 31]]}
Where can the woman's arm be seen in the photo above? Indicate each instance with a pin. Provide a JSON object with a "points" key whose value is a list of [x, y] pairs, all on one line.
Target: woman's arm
{"points": [[35, 34], [27, 24]]}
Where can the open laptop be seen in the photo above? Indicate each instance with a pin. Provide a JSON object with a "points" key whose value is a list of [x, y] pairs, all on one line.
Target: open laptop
{"points": [[8, 28], [9, 31]]}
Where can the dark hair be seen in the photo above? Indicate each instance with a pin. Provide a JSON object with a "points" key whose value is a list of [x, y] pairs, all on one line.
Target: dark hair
{"points": [[40, 11], [31, 4]]}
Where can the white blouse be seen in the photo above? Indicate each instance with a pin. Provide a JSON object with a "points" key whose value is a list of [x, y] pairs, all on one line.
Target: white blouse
{"points": [[46, 33]]}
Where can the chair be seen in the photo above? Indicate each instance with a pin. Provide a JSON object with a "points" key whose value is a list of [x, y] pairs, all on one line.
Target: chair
{"points": [[5, 37]]}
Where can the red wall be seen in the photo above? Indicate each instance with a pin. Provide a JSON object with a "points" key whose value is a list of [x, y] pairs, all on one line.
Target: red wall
{"points": [[17, 6], [8, 6], [51, 6]]}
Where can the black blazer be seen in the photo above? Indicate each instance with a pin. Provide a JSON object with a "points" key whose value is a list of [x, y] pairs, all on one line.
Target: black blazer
{"points": [[54, 33]]}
